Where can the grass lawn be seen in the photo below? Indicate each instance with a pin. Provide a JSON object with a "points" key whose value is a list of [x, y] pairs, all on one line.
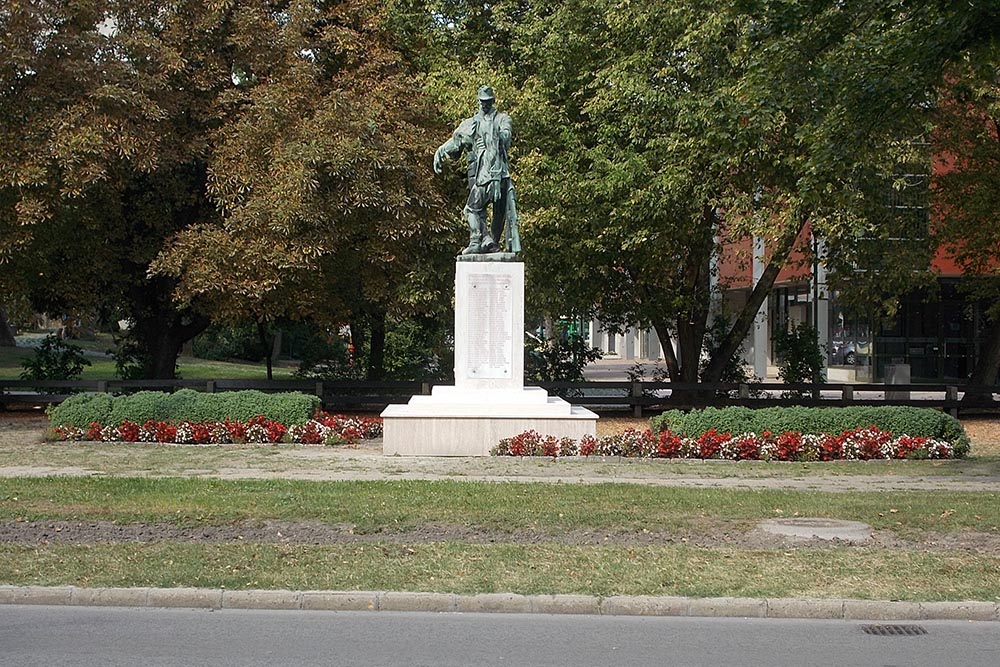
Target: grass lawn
{"points": [[543, 509], [103, 368], [877, 574], [528, 538]]}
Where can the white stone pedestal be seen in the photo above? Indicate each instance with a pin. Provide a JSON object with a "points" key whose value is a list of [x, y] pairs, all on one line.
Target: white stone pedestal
{"points": [[489, 400]]}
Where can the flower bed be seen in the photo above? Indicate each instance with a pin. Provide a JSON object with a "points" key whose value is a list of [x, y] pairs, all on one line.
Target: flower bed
{"points": [[860, 444], [322, 429]]}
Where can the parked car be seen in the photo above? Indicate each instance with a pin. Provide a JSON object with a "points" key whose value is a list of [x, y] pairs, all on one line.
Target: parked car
{"points": [[844, 353]]}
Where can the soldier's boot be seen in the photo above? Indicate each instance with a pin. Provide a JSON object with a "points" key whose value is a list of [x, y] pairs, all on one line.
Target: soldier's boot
{"points": [[488, 244], [475, 244]]}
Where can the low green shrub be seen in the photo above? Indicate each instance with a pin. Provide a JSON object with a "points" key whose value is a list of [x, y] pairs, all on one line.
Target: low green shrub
{"points": [[54, 360], [184, 405], [82, 409], [918, 422]]}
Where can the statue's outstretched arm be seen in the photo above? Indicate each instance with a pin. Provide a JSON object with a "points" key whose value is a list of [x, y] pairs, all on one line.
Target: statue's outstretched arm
{"points": [[461, 139]]}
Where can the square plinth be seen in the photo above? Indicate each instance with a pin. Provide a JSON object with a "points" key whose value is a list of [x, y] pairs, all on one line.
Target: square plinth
{"points": [[436, 425]]}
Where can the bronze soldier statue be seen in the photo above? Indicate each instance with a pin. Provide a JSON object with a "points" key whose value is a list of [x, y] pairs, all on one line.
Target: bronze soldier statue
{"points": [[486, 137]]}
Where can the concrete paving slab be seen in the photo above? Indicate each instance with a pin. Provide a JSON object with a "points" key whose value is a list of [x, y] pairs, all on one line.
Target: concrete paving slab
{"points": [[256, 599], [960, 611], [401, 601], [340, 600], [742, 607], [110, 597], [645, 605], [565, 604], [195, 598], [878, 610], [495, 603], [43, 595], [809, 528], [805, 608]]}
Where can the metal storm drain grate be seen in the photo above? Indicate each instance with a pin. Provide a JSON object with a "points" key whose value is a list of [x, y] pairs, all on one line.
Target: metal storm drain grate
{"points": [[894, 630]]}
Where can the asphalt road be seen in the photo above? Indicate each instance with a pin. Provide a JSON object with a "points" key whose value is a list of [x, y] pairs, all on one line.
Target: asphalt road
{"points": [[90, 636]]}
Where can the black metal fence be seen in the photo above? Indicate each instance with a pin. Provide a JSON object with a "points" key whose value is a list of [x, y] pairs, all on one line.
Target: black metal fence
{"points": [[637, 398]]}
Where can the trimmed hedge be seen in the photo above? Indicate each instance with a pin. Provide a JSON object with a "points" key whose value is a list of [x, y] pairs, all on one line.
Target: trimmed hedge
{"points": [[919, 422], [184, 405]]}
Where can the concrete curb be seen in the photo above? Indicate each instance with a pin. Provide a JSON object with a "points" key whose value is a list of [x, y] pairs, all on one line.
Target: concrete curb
{"points": [[498, 603]]}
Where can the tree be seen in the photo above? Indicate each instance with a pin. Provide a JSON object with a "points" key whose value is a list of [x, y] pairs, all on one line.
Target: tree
{"points": [[658, 131], [966, 193], [323, 175], [6, 331], [106, 109], [185, 160]]}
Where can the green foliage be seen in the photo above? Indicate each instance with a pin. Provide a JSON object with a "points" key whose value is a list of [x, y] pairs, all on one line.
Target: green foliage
{"points": [[558, 359], [82, 409], [184, 405], [644, 121], [54, 360], [246, 160], [222, 342], [131, 359], [322, 359], [416, 349], [896, 419], [800, 358], [736, 369]]}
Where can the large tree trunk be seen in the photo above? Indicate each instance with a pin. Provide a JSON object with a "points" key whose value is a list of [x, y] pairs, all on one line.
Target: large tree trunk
{"points": [[357, 340], [662, 330], [6, 331], [692, 318], [734, 339], [159, 329], [267, 343], [984, 374], [376, 347], [163, 347]]}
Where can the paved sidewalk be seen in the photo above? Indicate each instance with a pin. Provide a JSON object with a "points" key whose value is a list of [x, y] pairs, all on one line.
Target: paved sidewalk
{"points": [[215, 598], [368, 464]]}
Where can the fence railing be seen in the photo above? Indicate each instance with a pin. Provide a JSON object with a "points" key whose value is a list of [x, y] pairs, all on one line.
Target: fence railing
{"points": [[636, 397]]}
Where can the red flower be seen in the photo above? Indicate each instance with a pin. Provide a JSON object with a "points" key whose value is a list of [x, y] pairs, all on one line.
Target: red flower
{"points": [[93, 432], [710, 442], [788, 446], [129, 431], [668, 446], [200, 433], [237, 431]]}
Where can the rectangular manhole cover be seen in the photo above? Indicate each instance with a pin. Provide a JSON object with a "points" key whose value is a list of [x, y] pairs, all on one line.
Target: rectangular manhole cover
{"points": [[891, 630]]}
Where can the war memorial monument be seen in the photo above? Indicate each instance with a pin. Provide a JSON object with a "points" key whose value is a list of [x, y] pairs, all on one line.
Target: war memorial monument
{"points": [[488, 400]]}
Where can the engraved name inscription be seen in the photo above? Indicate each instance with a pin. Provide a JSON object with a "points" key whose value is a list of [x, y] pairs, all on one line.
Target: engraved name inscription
{"points": [[489, 326]]}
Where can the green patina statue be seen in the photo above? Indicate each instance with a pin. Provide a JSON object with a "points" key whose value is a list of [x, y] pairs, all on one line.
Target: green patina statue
{"points": [[486, 138]]}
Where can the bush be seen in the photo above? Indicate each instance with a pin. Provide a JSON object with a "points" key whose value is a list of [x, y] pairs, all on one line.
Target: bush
{"points": [[185, 405], [800, 358], [558, 359], [54, 360], [81, 410], [225, 342], [917, 422]]}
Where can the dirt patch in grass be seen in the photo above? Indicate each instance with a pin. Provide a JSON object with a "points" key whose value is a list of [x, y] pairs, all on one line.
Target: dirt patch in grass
{"points": [[708, 535]]}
